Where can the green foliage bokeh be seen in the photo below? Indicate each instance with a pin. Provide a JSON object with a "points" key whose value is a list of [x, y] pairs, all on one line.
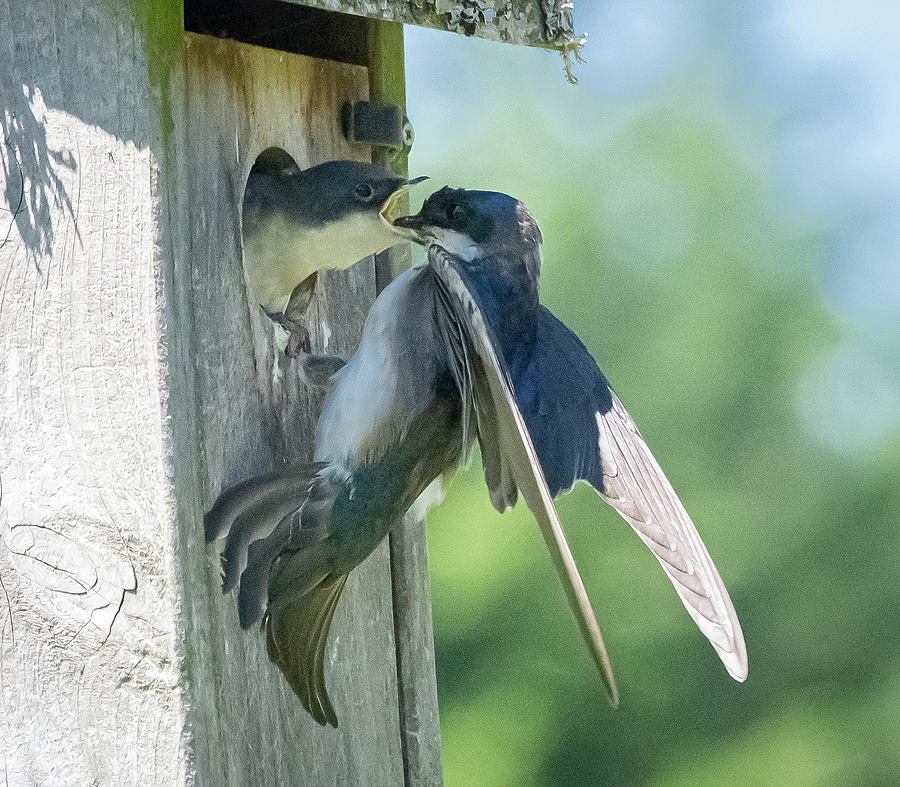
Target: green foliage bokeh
{"points": [[700, 300]]}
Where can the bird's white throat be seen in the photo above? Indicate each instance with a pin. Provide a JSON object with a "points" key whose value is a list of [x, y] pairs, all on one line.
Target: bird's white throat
{"points": [[457, 243], [278, 255]]}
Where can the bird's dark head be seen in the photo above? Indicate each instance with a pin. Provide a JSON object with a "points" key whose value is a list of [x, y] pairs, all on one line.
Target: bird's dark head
{"points": [[295, 222], [337, 189], [473, 224], [328, 193], [495, 245]]}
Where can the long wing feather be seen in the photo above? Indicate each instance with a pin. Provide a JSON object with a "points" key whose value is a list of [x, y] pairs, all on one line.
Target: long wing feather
{"points": [[635, 485], [581, 431], [498, 416]]}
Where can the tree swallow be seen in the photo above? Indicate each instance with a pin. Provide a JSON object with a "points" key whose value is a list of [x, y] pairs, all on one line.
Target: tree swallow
{"points": [[297, 222], [452, 351]]}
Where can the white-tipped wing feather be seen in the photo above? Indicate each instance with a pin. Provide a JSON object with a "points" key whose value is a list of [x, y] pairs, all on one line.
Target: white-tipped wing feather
{"points": [[635, 485]]}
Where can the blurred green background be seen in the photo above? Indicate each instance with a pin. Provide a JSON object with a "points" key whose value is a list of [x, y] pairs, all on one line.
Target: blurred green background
{"points": [[719, 200]]}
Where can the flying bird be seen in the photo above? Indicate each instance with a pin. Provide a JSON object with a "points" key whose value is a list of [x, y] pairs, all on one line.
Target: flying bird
{"points": [[453, 351], [297, 222]]}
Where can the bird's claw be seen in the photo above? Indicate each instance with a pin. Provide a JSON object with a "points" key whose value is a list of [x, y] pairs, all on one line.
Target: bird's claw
{"points": [[297, 334], [298, 339]]}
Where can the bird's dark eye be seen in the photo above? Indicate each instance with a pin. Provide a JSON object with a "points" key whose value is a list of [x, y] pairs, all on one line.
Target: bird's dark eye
{"points": [[364, 192], [455, 212]]}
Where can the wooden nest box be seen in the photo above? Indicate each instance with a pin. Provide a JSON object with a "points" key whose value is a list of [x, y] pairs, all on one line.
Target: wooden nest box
{"points": [[136, 379]]}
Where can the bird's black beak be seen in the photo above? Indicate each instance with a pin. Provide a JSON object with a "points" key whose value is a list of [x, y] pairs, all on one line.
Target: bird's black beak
{"points": [[415, 222], [411, 227]]}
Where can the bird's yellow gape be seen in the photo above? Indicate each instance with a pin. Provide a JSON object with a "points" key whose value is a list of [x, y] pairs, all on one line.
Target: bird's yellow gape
{"points": [[388, 214]]}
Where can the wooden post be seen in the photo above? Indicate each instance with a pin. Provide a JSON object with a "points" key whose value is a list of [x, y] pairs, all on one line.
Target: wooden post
{"points": [[135, 381], [413, 632]]}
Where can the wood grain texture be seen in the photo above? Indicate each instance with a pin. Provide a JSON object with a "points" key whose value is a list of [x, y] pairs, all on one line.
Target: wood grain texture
{"points": [[413, 629], [242, 399], [135, 382], [89, 678]]}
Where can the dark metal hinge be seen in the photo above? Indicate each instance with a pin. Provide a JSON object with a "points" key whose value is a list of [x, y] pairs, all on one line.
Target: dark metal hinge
{"points": [[374, 123]]}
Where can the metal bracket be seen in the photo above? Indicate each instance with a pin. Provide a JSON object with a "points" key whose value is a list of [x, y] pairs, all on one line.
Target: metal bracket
{"points": [[374, 123]]}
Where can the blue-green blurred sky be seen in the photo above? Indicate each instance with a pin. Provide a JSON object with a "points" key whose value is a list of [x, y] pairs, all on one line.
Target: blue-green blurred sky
{"points": [[720, 200]]}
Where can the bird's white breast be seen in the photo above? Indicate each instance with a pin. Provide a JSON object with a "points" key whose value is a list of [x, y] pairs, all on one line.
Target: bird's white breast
{"points": [[361, 417], [278, 254], [456, 243]]}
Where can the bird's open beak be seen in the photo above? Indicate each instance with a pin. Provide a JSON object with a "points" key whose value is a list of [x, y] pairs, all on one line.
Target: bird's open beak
{"points": [[410, 227], [393, 202]]}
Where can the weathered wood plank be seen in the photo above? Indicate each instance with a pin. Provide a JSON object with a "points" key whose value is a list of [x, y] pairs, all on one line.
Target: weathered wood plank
{"points": [[413, 631], [230, 102], [136, 380], [89, 678]]}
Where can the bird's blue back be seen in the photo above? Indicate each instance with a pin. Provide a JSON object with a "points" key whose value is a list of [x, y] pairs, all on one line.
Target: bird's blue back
{"points": [[560, 390], [557, 384]]}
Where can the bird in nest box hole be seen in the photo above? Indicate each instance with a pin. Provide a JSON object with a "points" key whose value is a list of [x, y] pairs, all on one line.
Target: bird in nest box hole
{"points": [[297, 222]]}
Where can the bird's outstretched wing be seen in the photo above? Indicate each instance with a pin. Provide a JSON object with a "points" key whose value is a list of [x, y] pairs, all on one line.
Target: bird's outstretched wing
{"points": [[510, 460], [582, 431]]}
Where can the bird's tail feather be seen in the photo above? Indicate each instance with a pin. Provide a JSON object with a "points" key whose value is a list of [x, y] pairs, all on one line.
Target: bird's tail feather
{"points": [[284, 565], [269, 519], [255, 518], [253, 593], [302, 563], [241, 499], [296, 634]]}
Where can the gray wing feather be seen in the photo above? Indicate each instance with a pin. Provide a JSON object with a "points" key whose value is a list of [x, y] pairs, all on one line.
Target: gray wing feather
{"points": [[634, 485], [507, 450], [476, 397], [255, 516], [248, 496]]}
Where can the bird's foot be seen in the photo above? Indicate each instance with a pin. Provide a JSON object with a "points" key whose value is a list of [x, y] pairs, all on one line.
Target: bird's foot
{"points": [[295, 339], [318, 371], [298, 339], [292, 319]]}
